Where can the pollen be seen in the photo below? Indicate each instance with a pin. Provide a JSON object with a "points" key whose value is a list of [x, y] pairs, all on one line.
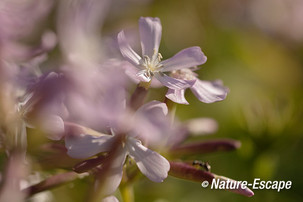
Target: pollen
{"points": [[152, 64]]}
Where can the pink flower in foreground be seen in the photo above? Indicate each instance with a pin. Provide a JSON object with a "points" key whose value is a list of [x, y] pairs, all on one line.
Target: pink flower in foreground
{"points": [[143, 125], [150, 65]]}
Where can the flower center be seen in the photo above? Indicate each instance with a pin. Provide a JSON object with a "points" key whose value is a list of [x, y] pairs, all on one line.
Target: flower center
{"points": [[152, 64]]}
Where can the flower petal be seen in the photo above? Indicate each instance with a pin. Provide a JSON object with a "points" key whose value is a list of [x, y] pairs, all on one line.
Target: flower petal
{"points": [[156, 84], [84, 146], [209, 92], [186, 58], [114, 176], [53, 126], [110, 199], [201, 126], [131, 71], [150, 34], [143, 76], [152, 124], [128, 53], [177, 96], [173, 83], [151, 164], [152, 106]]}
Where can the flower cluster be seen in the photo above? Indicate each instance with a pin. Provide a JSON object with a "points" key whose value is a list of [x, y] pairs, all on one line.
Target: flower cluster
{"points": [[86, 103]]}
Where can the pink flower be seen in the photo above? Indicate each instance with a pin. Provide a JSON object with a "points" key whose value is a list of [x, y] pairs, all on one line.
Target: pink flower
{"points": [[148, 123], [205, 91], [150, 65]]}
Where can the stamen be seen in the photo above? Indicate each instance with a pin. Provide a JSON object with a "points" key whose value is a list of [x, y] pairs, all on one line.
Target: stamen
{"points": [[146, 59], [152, 64], [159, 57]]}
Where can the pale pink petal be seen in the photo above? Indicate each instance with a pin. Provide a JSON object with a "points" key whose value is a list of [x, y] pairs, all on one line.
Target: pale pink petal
{"points": [[186, 58], [150, 34], [201, 126], [209, 92], [53, 126], [143, 76], [84, 146], [173, 83], [128, 53], [150, 163], [131, 71], [152, 124], [110, 199], [156, 84], [177, 96], [114, 176], [153, 106]]}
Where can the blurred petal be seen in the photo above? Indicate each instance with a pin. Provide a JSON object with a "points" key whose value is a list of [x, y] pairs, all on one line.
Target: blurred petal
{"points": [[128, 53], [152, 124], [151, 164], [78, 28], [110, 199], [114, 176], [177, 96], [202, 126], [20, 18], [152, 106], [150, 34], [53, 126], [84, 146], [131, 71], [172, 83], [156, 84], [14, 172], [143, 76], [209, 92], [178, 135], [186, 58]]}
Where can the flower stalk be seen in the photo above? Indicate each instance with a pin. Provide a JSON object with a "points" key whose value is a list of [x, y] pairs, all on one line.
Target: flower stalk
{"points": [[139, 95], [51, 182], [205, 147]]}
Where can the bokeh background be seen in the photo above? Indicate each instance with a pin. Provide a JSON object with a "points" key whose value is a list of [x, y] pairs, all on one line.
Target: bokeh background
{"points": [[256, 48]]}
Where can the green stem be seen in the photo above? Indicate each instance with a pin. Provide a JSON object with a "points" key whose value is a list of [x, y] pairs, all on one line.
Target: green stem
{"points": [[127, 192]]}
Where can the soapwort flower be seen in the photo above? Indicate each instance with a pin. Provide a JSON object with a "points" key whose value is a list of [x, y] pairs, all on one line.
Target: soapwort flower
{"points": [[150, 64], [147, 120], [42, 107], [173, 73], [205, 91]]}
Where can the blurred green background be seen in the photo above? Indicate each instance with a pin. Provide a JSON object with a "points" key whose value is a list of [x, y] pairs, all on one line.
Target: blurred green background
{"points": [[256, 49]]}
